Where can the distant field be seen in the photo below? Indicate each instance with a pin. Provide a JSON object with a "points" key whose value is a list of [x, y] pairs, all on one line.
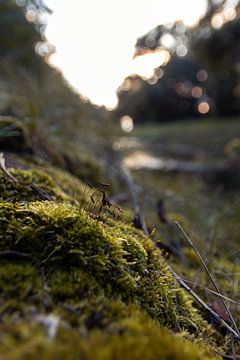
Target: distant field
{"points": [[203, 131], [189, 138]]}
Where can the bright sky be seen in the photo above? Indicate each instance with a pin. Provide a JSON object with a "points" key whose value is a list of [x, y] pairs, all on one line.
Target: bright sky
{"points": [[95, 40]]}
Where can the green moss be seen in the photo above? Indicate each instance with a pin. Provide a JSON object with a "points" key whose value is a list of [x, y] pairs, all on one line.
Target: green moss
{"points": [[30, 186], [20, 281], [21, 289], [45, 183], [59, 235], [105, 280], [137, 338]]}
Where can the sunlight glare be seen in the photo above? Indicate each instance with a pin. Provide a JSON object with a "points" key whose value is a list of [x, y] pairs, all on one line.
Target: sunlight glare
{"points": [[95, 40], [145, 65]]}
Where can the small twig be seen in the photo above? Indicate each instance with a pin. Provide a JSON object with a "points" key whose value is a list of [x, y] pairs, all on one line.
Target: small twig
{"points": [[210, 277], [203, 304], [208, 290]]}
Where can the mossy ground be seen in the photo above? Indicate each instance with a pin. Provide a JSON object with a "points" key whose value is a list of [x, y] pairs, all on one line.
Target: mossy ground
{"points": [[103, 282]]}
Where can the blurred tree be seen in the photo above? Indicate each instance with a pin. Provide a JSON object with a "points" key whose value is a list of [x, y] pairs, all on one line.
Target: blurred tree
{"points": [[221, 54], [203, 74], [165, 99], [19, 38]]}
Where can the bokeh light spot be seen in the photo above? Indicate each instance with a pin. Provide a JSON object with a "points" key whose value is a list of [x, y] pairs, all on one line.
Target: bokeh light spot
{"points": [[181, 50], [126, 123], [167, 41], [159, 73], [229, 14], [197, 92], [202, 75], [203, 107], [31, 15], [153, 80], [217, 21]]}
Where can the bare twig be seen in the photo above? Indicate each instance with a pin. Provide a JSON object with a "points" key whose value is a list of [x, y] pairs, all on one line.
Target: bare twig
{"points": [[132, 187], [203, 304], [208, 290], [210, 277]]}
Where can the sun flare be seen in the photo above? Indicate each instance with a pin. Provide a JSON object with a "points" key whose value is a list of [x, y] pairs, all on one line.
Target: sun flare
{"points": [[95, 40]]}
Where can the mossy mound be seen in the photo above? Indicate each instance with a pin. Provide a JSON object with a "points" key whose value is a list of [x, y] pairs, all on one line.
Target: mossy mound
{"points": [[61, 238], [74, 286], [27, 138], [34, 181]]}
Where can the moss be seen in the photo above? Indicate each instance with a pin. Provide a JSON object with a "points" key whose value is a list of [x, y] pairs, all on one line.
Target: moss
{"points": [[60, 235], [44, 183], [137, 338], [192, 258], [30, 186], [104, 279], [21, 289], [20, 281]]}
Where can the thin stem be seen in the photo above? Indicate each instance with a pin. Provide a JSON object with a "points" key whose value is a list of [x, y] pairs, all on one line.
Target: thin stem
{"points": [[210, 276]]}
